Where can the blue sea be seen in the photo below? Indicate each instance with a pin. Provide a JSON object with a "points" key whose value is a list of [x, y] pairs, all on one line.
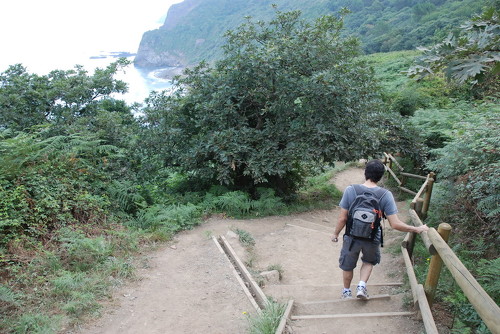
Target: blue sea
{"points": [[140, 82]]}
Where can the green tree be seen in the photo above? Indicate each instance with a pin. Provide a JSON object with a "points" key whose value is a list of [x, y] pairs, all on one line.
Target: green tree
{"points": [[58, 98], [287, 95], [472, 56]]}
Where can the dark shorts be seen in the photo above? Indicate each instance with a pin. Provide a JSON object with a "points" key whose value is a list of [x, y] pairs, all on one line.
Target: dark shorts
{"points": [[351, 248]]}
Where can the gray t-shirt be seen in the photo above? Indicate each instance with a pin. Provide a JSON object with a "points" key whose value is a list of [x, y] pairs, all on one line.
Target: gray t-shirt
{"points": [[387, 203]]}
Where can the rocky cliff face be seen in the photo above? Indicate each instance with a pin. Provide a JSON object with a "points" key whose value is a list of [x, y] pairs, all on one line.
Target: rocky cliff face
{"points": [[149, 57], [150, 54]]}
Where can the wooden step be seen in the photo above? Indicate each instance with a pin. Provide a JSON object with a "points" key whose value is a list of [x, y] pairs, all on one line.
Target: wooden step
{"points": [[385, 296], [303, 293], [353, 315], [358, 325], [379, 303]]}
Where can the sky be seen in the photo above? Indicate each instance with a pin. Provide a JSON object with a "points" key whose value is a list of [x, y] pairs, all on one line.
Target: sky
{"points": [[49, 34]]}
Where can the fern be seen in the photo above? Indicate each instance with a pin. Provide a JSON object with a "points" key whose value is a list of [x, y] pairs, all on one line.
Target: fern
{"points": [[172, 218], [234, 203], [126, 196], [488, 273], [267, 203]]}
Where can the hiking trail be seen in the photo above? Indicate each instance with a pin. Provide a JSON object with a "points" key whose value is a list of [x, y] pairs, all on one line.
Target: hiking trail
{"points": [[189, 286]]}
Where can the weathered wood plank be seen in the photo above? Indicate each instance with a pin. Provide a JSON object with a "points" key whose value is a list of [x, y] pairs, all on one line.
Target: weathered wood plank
{"points": [[414, 175], [313, 302], [284, 318], [425, 311], [411, 274], [352, 315], [393, 175], [487, 309], [238, 277], [396, 162], [406, 190], [310, 229], [259, 295]]}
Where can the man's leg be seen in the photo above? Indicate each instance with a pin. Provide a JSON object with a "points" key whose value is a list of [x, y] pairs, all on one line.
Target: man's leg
{"points": [[364, 276], [347, 277], [365, 272]]}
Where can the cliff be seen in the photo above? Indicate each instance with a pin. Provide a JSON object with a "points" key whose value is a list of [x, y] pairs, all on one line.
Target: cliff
{"points": [[194, 29]]}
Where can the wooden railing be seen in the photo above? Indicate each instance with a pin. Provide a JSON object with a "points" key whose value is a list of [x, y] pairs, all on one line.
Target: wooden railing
{"points": [[436, 244]]}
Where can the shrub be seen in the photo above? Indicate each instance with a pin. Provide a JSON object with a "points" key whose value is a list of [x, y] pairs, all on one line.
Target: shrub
{"points": [[409, 100], [83, 253]]}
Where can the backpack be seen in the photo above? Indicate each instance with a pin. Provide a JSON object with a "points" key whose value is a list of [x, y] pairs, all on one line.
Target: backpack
{"points": [[365, 214]]}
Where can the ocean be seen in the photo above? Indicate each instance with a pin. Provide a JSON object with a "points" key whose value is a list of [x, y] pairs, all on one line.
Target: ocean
{"points": [[140, 82]]}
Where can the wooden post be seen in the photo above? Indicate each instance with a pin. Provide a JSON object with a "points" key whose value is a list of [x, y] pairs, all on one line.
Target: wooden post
{"points": [[428, 193], [409, 243], [418, 207], [435, 266], [485, 306]]}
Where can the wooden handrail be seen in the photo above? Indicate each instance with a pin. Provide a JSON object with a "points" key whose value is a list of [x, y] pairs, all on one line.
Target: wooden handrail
{"points": [[487, 309], [425, 238], [414, 176], [421, 190], [391, 158], [393, 175], [396, 162]]}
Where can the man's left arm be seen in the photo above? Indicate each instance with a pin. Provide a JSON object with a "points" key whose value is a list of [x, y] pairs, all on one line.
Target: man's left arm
{"points": [[397, 224]]}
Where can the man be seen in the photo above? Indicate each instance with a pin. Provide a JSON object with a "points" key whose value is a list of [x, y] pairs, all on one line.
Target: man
{"points": [[370, 248]]}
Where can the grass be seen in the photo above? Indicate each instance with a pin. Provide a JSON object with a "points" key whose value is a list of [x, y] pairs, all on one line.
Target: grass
{"points": [[245, 238], [268, 320], [63, 282]]}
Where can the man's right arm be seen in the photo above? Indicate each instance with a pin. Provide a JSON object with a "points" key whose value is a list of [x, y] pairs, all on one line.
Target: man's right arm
{"points": [[340, 224]]}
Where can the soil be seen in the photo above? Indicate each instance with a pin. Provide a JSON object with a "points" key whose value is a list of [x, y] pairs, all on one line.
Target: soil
{"points": [[189, 286]]}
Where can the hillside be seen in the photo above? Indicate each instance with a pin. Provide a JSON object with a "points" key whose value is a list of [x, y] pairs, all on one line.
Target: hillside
{"points": [[194, 29]]}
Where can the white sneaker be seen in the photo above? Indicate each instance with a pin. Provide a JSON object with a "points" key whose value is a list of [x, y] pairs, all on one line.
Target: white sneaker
{"points": [[362, 293], [346, 294]]}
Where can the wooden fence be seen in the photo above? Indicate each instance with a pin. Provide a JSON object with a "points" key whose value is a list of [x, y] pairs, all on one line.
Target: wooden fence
{"points": [[436, 244]]}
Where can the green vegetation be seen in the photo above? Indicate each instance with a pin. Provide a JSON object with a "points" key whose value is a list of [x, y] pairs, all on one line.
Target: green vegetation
{"points": [[381, 25], [268, 320], [245, 238], [85, 184], [471, 56], [457, 126], [288, 97]]}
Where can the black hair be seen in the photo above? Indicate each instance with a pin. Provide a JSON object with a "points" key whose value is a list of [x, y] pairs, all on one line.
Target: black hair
{"points": [[374, 170]]}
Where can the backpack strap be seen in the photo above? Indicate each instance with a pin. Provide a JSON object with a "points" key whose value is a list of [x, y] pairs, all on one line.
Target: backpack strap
{"points": [[378, 193]]}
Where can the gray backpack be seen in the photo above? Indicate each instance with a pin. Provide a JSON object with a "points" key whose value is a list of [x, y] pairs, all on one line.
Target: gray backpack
{"points": [[365, 213]]}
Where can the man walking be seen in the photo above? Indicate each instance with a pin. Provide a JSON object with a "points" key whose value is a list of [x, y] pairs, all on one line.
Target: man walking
{"points": [[370, 249]]}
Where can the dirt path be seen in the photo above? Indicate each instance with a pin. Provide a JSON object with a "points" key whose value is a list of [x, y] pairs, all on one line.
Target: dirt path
{"points": [[190, 287]]}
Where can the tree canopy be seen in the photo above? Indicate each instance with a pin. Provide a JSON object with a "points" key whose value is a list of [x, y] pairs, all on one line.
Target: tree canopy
{"points": [[287, 94], [58, 98]]}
